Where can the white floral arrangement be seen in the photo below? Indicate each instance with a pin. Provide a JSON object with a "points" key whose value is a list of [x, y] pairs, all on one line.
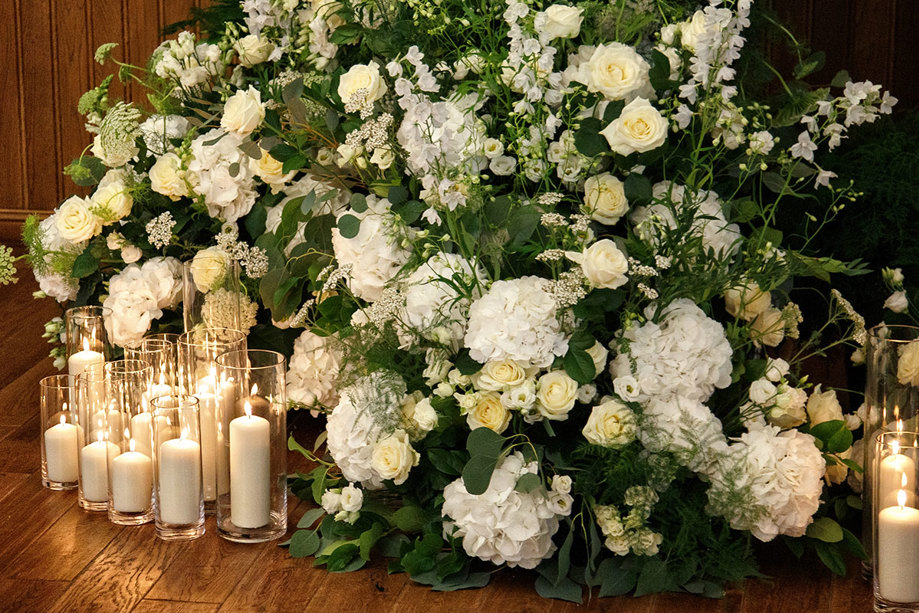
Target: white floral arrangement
{"points": [[525, 258]]}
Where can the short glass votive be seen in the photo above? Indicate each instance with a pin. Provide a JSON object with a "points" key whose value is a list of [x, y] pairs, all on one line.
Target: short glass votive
{"points": [[62, 436], [177, 485], [99, 444], [252, 446], [130, 484], [87, 341], [895, 522], [198, 351]]}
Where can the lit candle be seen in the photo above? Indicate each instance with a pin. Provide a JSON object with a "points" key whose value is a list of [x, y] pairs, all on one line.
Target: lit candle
{"points": [[179, 481], [207, 405], [250, 469], [84, 360], [61, 451], [159, 389], [94, 459], [142, 433], [132, 481], [223, 468], [895, 468], [898, 552]]}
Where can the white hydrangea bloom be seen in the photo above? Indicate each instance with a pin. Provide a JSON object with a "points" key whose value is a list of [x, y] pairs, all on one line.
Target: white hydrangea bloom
{"points": [[313, 371], [56, 285], [137, 296], [158, 130], [216, 154], [685, 428], [502, 525]]}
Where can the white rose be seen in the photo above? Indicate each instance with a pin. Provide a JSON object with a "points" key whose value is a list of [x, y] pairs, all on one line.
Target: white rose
{"points": [[167, 177], [897, 302], [271, 171], [603, 264], [393, 457], [351, 499], [691, 30], [561, 484], [522, 397], [347, 154], [331, 502], [747, 301], [559, 21], [823, 406], [604, 198], [75, 221], [639, 128], [131, 253], [611, 424], [616, 71], [499, 375], [424, 415], [556, 394], [598, 353], [488, 412], [364, 77], [112, 200], [503, 165], [243, 111], [908, 364], [209, 267], [253, 50], [768, 328], [382, 157]]}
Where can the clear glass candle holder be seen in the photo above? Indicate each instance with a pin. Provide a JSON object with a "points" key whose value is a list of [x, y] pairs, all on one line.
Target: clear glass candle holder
{"points": [[62, 436], [198, 351], [177, 485], [160, 352], [101, 438], [130, 475], [252, 446], [211, 294], [892, 402], [87, 341], [895, 522]]}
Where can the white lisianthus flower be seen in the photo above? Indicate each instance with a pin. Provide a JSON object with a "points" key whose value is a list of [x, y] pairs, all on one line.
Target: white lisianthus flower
{"points": [[243, 112], [331, 502], [208, 268], [393, 457], [167, 177], [639, 128], [271, 171], [604, 198], [253, 50], [603, 264], [351, 499], [768, 328], [488, 412], [599, 354], [823, 406], [364, 78], [111, 201], [313, 371], [75, 220], [503, 165], [382, 157], [556, 394], [788, 409], [611, 424], [492, 148], [908, 364], [422, 415], [522, 397], [616, 71], [499, 376], [776, 368], [747, 301], [559, 21], [897, 302]]}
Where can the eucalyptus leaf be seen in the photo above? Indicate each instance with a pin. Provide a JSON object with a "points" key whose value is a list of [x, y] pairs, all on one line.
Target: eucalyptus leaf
{"points": [[349, 226]]}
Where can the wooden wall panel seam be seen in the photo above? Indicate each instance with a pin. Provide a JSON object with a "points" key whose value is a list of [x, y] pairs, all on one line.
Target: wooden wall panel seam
{"points": [[20, 109], [56, 114]]}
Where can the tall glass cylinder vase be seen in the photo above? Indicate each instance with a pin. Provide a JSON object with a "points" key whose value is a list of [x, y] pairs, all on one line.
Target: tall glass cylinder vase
{"points": [[160, 352], [892, 402], [177, 483], [87, 342], [252, 448], [130, 475], [97, 448], [198, 351], [211, 292], [61, 434]]}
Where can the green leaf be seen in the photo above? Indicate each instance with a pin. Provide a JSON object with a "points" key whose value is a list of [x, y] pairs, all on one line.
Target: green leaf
{"points": [[448, 462], [659, 75], [613, 111], [496, 210], [397, 195], [304, 543], [409, 518], [580, 366], [309, 518], [841, 78], [614, 580], [834, 436], [349, 226], [826, 530], [566, 589], [484, 446], [795, 545], [637, 189], [564, 556], [358, 203], [581, 340], [745, 210], [319, 484], [588, 140], [292, 90], [854, 544], [84, 265], [854, 501], [86, 170], [527, 483], [811, 65], [465, 364], [410, 212], [368, 539], [295, 162], [522, 223], [830, 555], [345, 34], [654, 577], [340, 559]]}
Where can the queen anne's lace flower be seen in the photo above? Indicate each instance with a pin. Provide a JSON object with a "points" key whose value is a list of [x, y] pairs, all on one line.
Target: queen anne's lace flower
{"points": [[502, 525]]}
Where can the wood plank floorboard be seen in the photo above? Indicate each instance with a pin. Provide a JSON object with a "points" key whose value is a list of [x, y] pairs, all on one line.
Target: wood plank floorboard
{"points": [[56, 557]]}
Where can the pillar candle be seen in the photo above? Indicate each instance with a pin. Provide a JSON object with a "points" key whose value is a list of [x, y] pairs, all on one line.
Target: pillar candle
{"points": [[62, 452], [85, 360], [142, 433], [893, 468], [250, 470], [223, 468], [179, 481], [207, 414], [94, 459], [898, 554], [132, 481]]}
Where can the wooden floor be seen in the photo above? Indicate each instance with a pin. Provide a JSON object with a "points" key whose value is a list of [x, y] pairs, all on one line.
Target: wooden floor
{"points": [[56, 557]]}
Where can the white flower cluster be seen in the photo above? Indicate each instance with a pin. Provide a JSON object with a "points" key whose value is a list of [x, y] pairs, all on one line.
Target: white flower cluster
{"points": [[53, 283], [313, 372], [219, 172], [191, 65], [158, 132], [629, 534], [137, 296], [516, 319], [344, 503], [502, 525]]}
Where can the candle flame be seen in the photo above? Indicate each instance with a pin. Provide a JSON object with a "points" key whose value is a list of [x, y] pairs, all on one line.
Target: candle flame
{"points": [[85, 344], [162, 379], [901, 498], [184, 434], [895, 447], [64, 407], [903, 480], [127, 434], [254, 389], [899, 426], [247, 407], [63, 419], [131, 444], [99, 436]]}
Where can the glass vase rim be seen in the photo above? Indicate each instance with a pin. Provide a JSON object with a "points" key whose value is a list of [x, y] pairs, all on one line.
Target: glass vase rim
{"points": [[874, 330], [113, 365], [185, 402], [47, 382], [184, 338], [104, 310], [222, 359]]}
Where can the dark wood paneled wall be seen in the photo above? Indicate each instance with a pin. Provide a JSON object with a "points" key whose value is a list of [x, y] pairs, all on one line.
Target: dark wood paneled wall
{"points": [[46, 49]]}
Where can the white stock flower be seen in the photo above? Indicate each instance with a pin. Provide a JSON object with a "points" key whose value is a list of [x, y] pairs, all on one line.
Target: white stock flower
{"points": [[616, 71], [603, 264], [243, 112], [313, 372], [556, 394], [604, 198], [75, 220], [639, 128], [611, 424], [393, 457], [209, 267]]}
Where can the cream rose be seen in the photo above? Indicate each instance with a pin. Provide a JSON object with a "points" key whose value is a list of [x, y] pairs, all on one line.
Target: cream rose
{"points": [[209, 267], [603, 264], [489, 413], [611, 424], [393, 457], [271, 171], [112, 201], [908, 364], [598, 353], [747, 301], [365, 78], [327, 10], [604, 198], [499, 375], [243, 111], [768, 328], [559, 21], [691, 30], [788, 410], [167, 177], [556, 393], [823, 406], [616, 71], [424, 415], [639, 128], [75, 221], [253, 50]]}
